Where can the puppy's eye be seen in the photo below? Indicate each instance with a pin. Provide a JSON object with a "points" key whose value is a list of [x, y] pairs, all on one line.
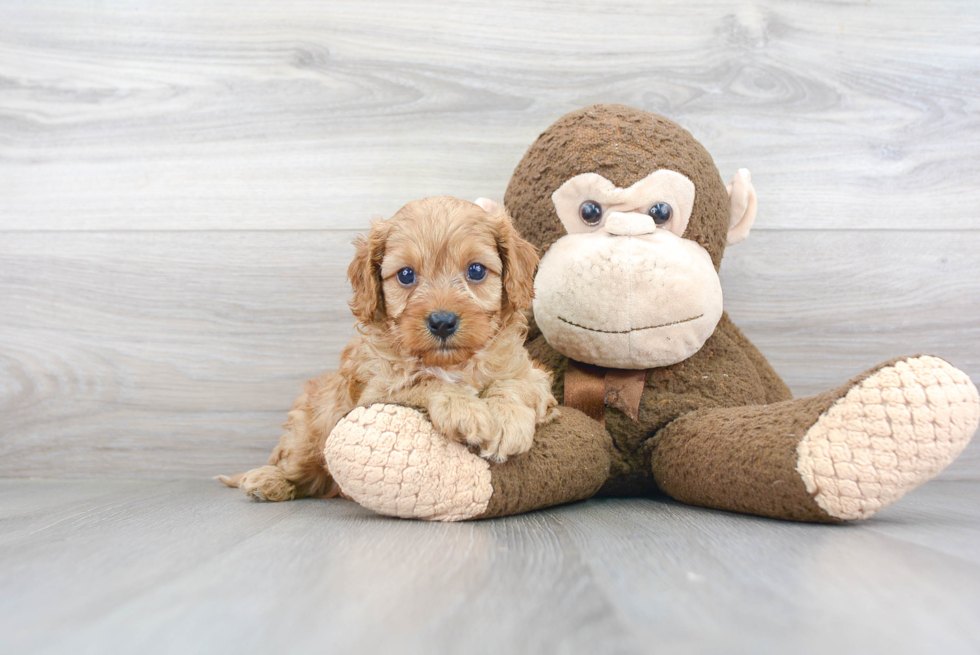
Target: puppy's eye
{"points": [[476, 272], [591, 212], [661, 213], [406, 276]]}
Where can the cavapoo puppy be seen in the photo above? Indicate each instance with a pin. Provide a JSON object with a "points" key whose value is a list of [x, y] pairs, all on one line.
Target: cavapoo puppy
{"points": [[439, 290]]}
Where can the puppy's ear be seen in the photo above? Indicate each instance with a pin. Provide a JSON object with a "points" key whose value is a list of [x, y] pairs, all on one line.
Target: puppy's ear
{"points": [[520, 261], [364, 273]]}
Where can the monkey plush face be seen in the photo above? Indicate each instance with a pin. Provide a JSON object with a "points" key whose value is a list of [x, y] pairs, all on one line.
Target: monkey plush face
{"points": [[634, 220], [623, 288]]}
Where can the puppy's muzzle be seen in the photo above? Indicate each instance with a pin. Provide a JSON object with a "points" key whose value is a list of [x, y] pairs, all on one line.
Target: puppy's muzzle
{"points": [[442, 325]]}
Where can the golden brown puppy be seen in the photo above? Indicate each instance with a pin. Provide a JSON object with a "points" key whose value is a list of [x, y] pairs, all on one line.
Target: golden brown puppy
{"points": [[439, 290]]}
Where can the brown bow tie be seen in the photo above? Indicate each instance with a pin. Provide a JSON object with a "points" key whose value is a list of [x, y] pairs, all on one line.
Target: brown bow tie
{"points": [[590, 388]]}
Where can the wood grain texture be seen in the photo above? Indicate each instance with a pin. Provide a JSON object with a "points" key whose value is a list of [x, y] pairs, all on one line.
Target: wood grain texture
{"points": [[245, 114], [178, 353], [189, 566], [179, 183], [166, 353]]}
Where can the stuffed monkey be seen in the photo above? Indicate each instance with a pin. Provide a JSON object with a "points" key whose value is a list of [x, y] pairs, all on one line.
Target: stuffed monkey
{"points": [[660, 389]]}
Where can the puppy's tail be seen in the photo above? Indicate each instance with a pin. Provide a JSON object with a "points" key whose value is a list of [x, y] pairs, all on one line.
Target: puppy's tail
{"points": [[232, 480]]}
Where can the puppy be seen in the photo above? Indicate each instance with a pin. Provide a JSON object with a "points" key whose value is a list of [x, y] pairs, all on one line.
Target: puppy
{"points": [[439, 294]]}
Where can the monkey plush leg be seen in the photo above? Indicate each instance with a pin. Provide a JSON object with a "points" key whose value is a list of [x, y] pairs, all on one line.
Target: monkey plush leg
{"points": [[839, 456], [389, 459]]}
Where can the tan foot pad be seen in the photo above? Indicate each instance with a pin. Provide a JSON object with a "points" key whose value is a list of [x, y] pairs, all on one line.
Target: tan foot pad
{"points": [[890, 433], [389, 459]]}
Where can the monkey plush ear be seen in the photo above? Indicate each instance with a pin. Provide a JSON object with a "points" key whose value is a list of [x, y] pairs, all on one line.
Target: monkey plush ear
{"points": [[744, 203], [520, 259], [364, 273], [487, 205]]}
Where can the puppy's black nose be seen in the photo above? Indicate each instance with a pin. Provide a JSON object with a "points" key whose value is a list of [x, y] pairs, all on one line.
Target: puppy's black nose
{"points": [[442, 324]]}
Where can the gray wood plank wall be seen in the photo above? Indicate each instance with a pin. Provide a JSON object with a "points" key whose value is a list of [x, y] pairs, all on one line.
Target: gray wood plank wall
{"points": [[180, 182]]}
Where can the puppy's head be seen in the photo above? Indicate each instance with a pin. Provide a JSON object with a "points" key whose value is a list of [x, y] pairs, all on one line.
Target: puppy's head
{"points": [[441, 276]]}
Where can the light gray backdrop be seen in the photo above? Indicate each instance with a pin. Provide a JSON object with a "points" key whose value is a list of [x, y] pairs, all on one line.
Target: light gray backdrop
{"points": [[180, 182]]}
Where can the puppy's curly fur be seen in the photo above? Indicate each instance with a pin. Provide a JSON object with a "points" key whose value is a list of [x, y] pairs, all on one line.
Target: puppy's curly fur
{"points": [[478, 384]]}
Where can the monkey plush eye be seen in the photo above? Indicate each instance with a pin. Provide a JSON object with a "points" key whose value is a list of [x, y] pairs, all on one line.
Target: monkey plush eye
{"points": [[406, 276], [661, 213], [476, 272], [591, 212]]}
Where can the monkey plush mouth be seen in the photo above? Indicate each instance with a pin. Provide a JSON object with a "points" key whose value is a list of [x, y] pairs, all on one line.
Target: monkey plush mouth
{"points": [[649, 327], [584, 280]]}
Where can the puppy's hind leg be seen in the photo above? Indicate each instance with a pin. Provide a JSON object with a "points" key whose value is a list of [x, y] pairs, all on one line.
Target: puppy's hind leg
{"points": [[264, 483], [267, 483], [296, 468], [291, 473]]}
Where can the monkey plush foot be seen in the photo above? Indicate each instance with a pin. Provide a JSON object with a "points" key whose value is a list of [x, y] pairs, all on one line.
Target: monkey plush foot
{"points": [[391, 460], [888, 434], [838, 456]]}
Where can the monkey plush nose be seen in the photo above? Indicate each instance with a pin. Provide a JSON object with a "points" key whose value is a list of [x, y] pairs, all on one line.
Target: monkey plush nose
{"points": [[442, 324], [629, 224]]}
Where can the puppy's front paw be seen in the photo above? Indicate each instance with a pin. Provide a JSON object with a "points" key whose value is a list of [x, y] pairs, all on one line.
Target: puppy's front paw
{"points": [[267, 483], [547, 411], [462, 418], [514, 426], [545, 405]]}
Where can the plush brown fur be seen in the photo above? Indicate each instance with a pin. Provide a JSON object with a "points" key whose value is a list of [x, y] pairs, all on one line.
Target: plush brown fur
{"points": [[479, 386]]}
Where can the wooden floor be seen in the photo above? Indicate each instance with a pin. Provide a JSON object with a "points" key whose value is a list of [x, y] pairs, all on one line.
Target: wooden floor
{"points": [[90, 566], [180, 182]]}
